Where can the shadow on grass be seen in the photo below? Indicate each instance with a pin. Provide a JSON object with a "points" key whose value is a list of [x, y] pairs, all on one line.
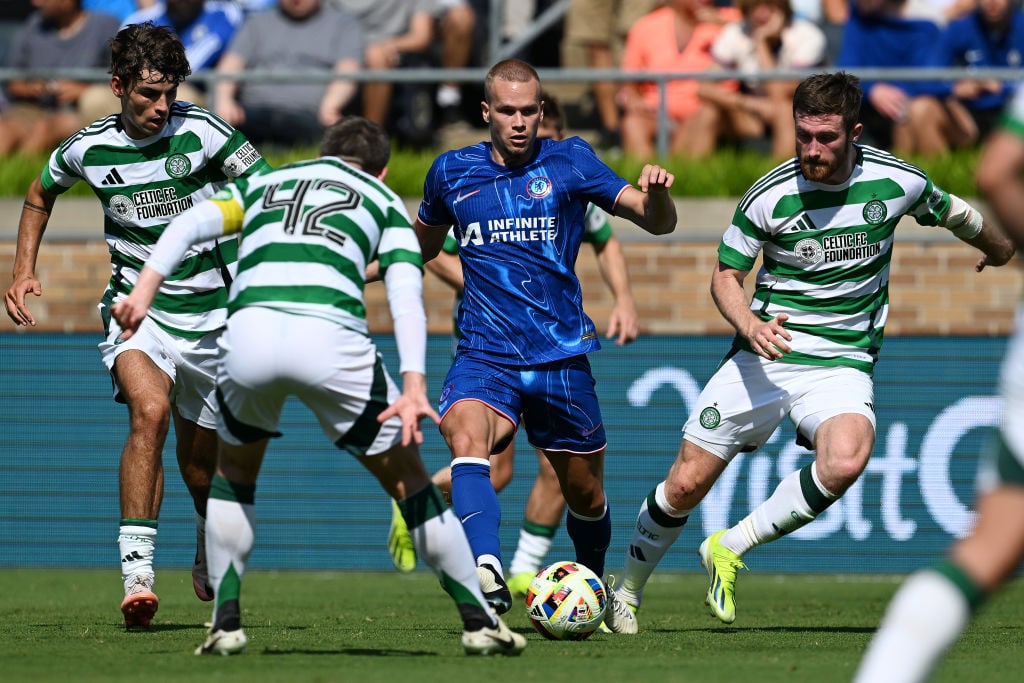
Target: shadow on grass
{"points": [[353, 651], [766, 629]]}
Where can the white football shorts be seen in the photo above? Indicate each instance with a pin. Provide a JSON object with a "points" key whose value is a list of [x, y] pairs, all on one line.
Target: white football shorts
{"points": [[268, 355], [748, 397], [190, 363]]}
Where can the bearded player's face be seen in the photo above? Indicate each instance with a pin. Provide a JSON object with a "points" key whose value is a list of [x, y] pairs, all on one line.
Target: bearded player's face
{"points": [[824, 147]]}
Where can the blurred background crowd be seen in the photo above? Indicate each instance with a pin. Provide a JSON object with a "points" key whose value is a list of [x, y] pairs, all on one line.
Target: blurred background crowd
{"points": [[346, 37]]}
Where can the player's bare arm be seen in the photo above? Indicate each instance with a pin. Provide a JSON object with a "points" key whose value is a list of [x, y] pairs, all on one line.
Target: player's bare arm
{"points": [[649, 204], [968, 225], [448, 270], [998, 249], [623, 322], [431, 239], [1000, 182], [767, 339], [35, 213]]}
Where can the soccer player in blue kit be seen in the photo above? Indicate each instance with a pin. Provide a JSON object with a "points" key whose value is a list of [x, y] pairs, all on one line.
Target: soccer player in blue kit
{"points": [[517, 206]]}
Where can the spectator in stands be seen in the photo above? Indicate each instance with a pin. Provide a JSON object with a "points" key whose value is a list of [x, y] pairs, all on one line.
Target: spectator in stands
{"points": [[41, 112], [205, 29], [456, 25], [121, 9], [599, 28], [398, 33], [677, 37], [883, 34], [768, 37], [297, 34], [960, 114]]}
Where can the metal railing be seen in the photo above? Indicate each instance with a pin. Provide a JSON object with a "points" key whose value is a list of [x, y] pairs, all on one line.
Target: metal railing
{"points": [[550, 75]]}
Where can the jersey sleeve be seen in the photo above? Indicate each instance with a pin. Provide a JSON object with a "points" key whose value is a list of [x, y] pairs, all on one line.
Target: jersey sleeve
{"points": [[62, 171], [599, 183], [235, 155], [741, 242], [597, 229], [932, 204], [398, 242], [433, 210]]}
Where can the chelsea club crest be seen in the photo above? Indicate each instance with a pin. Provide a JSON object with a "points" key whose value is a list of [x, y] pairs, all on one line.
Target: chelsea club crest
{"points": [[538, 187]]}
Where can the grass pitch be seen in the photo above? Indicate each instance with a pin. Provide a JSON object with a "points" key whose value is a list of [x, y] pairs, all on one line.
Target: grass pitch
{"points": [[370, 627]]}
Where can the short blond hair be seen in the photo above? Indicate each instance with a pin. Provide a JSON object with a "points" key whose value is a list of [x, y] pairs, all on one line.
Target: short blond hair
{"points": [[513, 70]]}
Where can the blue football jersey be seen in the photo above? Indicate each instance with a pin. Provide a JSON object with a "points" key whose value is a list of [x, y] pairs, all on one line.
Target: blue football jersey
{"points": [[519, 231]]}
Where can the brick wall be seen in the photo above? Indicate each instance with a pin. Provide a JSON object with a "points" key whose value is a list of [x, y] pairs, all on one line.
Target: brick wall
{"points": [[934, 289]]}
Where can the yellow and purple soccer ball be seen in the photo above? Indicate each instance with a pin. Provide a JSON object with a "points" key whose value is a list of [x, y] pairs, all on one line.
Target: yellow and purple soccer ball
{"points": [[566, 601]]}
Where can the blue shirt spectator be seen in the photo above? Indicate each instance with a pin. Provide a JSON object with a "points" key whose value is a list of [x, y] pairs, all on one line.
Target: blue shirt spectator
{"points": [[118, 8], [205, 27], [952, 115], [990, 36], [879, 34]]}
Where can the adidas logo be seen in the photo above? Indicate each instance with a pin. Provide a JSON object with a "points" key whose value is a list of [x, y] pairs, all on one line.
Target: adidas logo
{"points": [[132, 556], [113, 178]]}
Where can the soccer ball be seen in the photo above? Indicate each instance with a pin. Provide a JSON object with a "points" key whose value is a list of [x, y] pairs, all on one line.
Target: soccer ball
{"points": [[566, 601]]}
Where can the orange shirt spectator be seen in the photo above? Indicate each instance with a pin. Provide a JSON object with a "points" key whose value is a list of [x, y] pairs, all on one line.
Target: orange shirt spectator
{"points": [[677, 37]]}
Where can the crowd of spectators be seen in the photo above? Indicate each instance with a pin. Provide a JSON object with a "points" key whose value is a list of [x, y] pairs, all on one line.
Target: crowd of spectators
{"points": [[345, 37]]}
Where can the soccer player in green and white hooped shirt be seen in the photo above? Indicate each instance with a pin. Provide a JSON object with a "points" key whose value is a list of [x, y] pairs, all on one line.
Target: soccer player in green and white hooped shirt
{"points": [[934, 606], [806, 344], [297, 326], [152, 160]]}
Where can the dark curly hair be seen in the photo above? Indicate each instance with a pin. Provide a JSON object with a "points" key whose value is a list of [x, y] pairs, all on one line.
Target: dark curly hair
{"points": [[147, 47]]}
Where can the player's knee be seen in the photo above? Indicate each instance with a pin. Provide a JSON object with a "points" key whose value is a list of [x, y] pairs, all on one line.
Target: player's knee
{"points": [[150, 412], [841, 471]]}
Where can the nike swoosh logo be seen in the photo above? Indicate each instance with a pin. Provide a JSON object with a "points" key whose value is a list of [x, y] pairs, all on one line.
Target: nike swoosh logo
{"points": [[470, 515], [506, 643], [588, 432], [459, 197]]}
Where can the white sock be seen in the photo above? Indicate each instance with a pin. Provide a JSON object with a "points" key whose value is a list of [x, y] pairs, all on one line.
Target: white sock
{"points": [[531, 551], [136, 545], [230, 534], [785, 511], [924, 618], [651, 540]]}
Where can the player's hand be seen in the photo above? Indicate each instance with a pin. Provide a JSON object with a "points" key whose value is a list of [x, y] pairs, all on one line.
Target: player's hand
{"points": [[655, 178], [411, 407], [14, 299], [994, 260], [623, 324], [129, 314], [768, 339], [890, 101]]}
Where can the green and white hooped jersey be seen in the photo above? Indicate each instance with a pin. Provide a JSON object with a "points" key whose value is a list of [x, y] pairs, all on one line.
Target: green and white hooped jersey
{"points": [[142, 185], [827, 251], [308, 231]]}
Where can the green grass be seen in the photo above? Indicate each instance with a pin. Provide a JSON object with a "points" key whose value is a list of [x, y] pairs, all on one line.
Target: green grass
{"points": [[382, 627], [727, 174]]}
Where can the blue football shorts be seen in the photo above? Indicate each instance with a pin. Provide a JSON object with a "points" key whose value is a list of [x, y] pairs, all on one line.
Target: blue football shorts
{"points": [[556, 401]]}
